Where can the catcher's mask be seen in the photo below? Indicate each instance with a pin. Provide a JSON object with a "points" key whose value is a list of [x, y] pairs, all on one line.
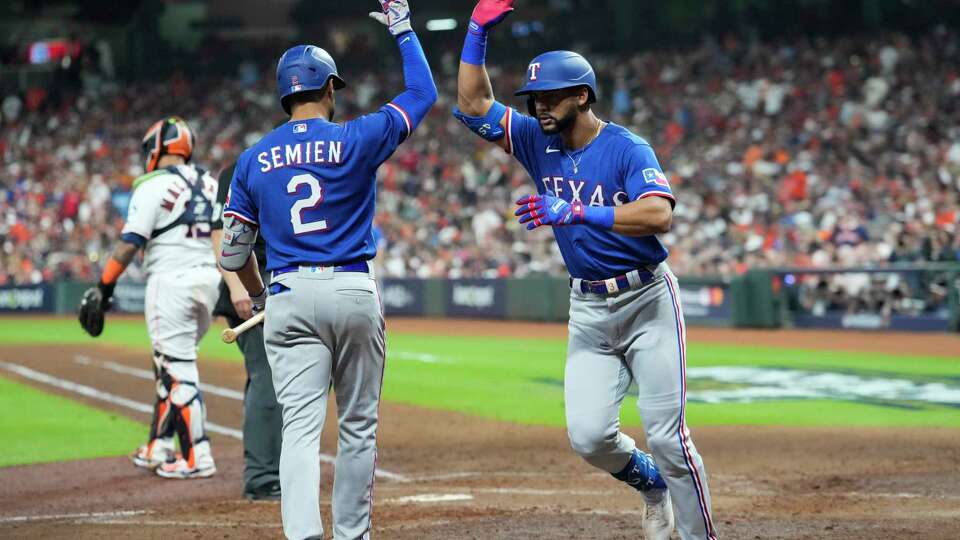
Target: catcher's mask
{"points": [[169, 136]]}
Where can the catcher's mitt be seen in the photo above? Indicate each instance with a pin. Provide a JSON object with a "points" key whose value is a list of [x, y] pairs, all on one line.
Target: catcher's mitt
{"points": [[96, 301]]}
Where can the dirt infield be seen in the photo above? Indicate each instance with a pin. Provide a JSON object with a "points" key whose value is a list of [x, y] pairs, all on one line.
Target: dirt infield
{"points": [[446, 475]]}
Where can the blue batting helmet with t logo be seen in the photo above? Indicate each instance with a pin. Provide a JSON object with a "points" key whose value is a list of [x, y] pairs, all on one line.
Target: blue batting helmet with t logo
{"points": [[304, 68], [559, 69]]}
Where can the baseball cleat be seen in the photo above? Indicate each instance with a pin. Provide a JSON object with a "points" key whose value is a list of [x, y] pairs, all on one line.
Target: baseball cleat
{"points": [[658, 517], [152, 455], [181, 469]]}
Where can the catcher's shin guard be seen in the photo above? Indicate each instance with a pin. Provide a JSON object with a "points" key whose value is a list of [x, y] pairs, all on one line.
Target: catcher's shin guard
{"points": [[162, 424], [190, 418], [186, 409]]}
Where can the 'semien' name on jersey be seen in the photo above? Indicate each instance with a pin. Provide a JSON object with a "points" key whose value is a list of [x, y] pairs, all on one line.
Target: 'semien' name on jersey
{"points": [[310, 187]]}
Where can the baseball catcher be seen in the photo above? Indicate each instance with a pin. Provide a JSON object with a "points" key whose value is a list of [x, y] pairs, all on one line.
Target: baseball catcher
{"points": [[169, 218]]}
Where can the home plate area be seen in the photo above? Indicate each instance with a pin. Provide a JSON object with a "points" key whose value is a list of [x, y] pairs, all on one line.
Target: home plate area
{"points": [[451, 476]]}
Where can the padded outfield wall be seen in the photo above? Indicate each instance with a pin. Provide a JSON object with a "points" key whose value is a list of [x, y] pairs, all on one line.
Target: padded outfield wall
{"points": [[915, 298]]}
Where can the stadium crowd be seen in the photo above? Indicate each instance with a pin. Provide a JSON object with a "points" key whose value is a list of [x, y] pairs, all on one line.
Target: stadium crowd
{"points": [[802, 153]]}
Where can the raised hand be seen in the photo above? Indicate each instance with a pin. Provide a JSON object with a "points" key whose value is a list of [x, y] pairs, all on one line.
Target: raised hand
{"points": [[488, 13], [395, 15]]}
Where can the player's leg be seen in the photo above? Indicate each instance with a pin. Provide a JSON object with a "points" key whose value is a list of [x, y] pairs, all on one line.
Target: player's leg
{"points": [[183, 315], [300, 362], [357, 381], [657, 356], [595, 382], [262, 420], [180, 376], [160, 446]]}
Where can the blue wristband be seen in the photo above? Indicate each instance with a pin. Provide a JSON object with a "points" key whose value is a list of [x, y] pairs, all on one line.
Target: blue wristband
{"points": [[599, 216], [475, 45]]}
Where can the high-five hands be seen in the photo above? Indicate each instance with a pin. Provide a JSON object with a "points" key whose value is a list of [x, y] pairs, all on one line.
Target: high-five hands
{"points": [[488, 13], [395, 15]]}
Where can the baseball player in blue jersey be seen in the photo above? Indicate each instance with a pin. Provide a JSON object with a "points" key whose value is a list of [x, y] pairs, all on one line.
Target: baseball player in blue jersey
{"points": [[602, 190], [308, 187]]}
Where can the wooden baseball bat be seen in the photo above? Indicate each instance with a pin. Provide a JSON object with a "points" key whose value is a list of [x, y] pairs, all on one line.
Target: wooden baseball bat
{"points": [[229, 335]]}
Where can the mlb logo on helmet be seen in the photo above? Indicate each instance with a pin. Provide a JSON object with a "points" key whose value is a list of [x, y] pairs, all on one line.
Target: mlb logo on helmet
{"points": [[653, 176]]}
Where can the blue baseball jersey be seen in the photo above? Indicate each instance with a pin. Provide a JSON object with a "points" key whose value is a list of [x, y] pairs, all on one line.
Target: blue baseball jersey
{"points": [[310, 187], [615, 168]]}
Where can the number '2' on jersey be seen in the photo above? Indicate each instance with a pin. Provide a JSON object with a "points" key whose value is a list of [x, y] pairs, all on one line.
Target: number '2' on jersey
{"points": [[310, 187]]}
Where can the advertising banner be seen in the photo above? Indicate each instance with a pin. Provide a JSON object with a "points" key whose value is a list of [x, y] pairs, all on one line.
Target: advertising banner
{"points": [[128, 297], [26, 298], [707, 303], [479, 298], [403, 297]]}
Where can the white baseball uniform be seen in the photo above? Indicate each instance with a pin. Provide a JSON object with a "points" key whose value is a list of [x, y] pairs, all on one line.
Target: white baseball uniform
{"points": [[172, 209]]}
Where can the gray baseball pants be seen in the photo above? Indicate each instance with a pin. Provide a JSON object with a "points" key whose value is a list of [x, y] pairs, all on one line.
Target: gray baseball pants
{"points": [[324, 327], [636, 336]]}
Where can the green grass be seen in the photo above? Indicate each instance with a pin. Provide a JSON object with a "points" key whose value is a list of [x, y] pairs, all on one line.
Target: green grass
{"points": [[518, 380], [37, 427], [126, 332]]}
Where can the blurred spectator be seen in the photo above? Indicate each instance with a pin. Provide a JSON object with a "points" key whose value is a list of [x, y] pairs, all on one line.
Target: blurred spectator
{"points": [[806, 152]]}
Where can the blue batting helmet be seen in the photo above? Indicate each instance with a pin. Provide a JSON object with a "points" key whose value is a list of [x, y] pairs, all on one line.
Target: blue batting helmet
{"points": [[559, 69], [304, 68]]}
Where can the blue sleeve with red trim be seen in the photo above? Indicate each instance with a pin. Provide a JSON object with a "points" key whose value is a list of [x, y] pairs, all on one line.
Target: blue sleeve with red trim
{"points": [[240, 202], [524, 132], [383, 131], [421, 91], [643, 176]]}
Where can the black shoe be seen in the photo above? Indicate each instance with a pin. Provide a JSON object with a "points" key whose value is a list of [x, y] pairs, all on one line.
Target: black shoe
{"points": [[267, 492]]}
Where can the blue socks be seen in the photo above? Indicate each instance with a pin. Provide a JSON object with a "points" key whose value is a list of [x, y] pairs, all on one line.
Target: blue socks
{"points": [[641, 473]]}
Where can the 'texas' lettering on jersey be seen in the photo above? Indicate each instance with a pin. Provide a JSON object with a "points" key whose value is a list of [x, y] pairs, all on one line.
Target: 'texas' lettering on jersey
{"points": [[301, 153], [595, 196]]}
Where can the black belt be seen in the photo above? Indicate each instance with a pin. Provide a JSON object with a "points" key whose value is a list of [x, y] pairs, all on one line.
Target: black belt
{"points": [[362, 267]]}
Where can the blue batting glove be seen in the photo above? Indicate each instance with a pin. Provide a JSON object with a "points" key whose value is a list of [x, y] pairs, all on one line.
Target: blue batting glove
{"points": [[538, 210]]}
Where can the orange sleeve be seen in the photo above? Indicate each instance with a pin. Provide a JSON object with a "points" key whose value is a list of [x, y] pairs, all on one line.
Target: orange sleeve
{"points": [[112, 271]]}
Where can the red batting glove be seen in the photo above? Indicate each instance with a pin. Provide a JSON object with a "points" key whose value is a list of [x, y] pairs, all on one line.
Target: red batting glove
{"points": [[490, 12]]}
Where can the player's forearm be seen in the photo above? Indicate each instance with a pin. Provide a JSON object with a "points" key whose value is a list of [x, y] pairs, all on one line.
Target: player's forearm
{"points": [[121, 257], [230, 278], [249, 276], [474, 91], [421, 91], [125, 252], [652, 215]]}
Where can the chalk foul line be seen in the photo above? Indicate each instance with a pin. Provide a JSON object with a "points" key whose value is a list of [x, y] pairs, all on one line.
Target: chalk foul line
{"points": [[100, 395]]}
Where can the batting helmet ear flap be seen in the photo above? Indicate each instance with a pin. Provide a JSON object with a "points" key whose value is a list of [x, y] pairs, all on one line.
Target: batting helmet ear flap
{"points": [[531, 105]]}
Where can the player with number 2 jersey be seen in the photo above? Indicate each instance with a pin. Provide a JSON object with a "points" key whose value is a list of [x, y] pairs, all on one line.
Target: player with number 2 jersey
{"points": [[309, 188]]}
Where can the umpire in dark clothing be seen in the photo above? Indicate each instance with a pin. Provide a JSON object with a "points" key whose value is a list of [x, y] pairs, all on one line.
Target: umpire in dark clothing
{"points": [[262, 421]]}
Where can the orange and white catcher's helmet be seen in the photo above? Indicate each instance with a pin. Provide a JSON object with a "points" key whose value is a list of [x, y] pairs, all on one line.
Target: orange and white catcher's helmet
{"points": [[168, 136]]}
